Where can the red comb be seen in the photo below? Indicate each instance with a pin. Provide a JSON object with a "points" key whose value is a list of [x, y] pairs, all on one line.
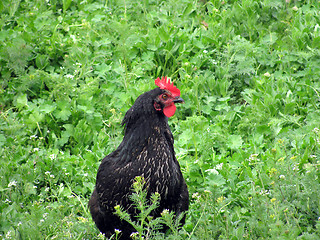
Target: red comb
{"points": [[165, 83]]}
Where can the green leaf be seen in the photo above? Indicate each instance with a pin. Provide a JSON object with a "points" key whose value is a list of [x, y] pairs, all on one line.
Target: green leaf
{"points": [[63, 111], [234, 142], [269, 39], [21, 101], [2, 140], [35, 117], [47, 108], [215, 180], [66, 4], [164, 36], [29, 188], [189, 8], [42, 61]]}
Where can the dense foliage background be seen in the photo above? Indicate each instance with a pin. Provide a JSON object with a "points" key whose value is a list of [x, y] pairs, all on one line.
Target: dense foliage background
{"points": [[247, 138]]}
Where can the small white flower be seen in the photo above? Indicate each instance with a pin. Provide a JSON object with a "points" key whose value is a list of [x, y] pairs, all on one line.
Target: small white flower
{"points": [[205, 51], [47, 173], [282, 177], [117, 231], [73, 38], [133, 235], [8, 235], [12, 183], [264, 192], [19, 223], [45, 215], [219, 166], [214, 62], [69, 76], [196, 195], [267, 74], [165, 212], [253, 158], [295, 167], [35, 149], [52, 176], [52, 156], [47, 189], [212, 171]]}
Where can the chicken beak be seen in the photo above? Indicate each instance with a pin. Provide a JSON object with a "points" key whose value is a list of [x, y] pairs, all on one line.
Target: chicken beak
{"points": [[178, 100]]}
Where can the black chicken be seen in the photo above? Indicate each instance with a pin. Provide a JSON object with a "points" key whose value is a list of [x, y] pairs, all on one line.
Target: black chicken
{"points": [[146, 150]]}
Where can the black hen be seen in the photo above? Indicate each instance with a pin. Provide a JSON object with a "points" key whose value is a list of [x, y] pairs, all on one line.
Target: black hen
{"points": [[146, 150]]}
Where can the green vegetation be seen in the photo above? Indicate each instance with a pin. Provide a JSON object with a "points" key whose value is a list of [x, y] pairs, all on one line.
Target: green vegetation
{"points": [[247, 139]]}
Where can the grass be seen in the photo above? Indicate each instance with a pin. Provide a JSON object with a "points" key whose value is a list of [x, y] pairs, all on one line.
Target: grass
{"points": [[247, 138]]}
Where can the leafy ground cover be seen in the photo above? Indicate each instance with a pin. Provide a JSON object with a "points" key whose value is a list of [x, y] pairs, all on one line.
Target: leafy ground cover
{"points": [[247, 138]]}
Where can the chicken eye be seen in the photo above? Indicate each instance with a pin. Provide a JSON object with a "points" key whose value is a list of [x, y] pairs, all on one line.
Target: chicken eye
{"points": [[164, 96]]}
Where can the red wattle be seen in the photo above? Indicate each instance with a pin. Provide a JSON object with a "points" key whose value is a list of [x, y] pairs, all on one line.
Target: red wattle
{"points": [[169, 110]]}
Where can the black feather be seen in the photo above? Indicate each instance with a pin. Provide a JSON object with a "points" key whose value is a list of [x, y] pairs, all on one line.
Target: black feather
{"points": [[146, 150]]}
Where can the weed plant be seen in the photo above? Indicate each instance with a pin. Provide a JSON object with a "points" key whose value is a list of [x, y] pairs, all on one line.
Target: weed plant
{"points": [[146, 226], [247, 138]]}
